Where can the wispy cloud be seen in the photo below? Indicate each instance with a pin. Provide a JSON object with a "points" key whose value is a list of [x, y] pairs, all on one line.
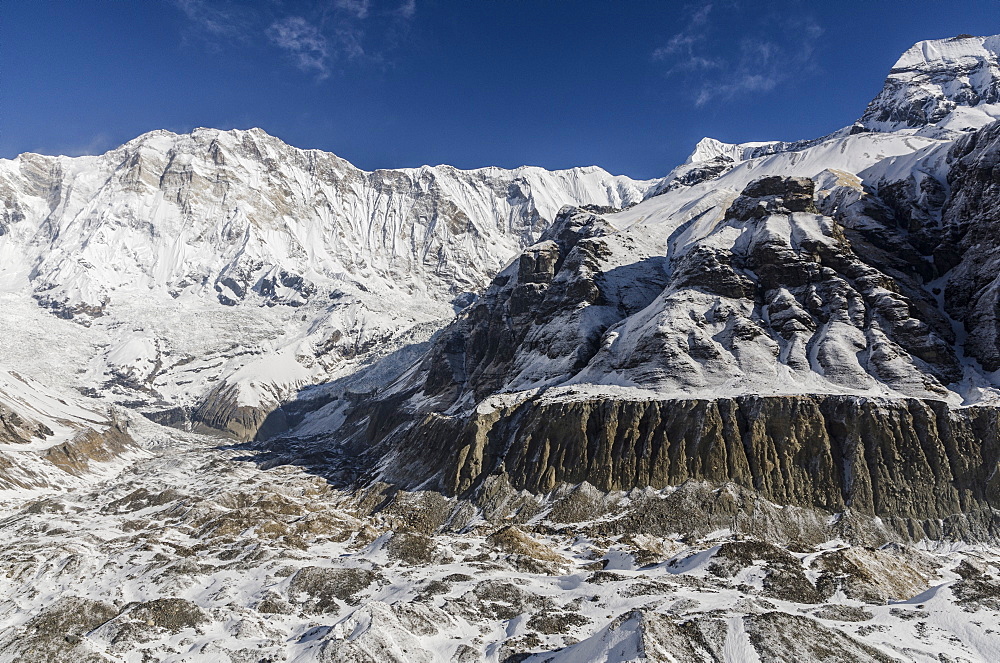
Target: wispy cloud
{"points": [[306, 44], [357, 8], [216, 19], [98, 144], [408, 9], [683, 43], [319, 38], [770, 53]]}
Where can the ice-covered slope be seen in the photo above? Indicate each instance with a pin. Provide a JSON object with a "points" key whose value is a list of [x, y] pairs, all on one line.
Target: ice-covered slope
{"points": [[237, 214], [230, 258]]}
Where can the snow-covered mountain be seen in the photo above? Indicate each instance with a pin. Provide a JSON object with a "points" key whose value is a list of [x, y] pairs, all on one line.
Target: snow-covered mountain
{"points": [[750, 411], [940, 87], [233, 264]]}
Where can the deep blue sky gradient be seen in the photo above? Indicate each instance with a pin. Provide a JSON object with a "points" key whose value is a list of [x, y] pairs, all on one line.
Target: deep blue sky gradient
{"points": [[629, 86]]}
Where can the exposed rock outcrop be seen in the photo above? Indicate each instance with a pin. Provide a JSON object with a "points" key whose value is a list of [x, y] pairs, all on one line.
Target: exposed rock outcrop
{"points": [[923, 468]]}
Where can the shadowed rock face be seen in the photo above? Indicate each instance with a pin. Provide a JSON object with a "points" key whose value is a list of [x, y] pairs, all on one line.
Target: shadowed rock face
{"points": [[971, 222], [222, 414], [774, 195]]}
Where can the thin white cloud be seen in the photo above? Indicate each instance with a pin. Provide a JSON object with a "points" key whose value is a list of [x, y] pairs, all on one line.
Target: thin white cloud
{"points": [[357, 8], [304, 42], [98, 144], [778, 50], [214, 19], [684, 41], [408, 9], [321, 35]]}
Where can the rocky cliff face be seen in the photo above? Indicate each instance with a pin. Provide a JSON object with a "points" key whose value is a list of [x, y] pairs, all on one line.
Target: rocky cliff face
{"points": [[775, 291], [971, 223], [921, 467]]}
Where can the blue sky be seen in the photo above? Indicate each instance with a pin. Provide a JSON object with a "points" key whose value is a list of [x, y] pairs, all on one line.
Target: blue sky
{"points": [[389, 83]]}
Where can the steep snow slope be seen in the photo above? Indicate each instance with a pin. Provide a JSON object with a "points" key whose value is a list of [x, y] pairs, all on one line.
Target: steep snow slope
{"points": [[232, 258], [225, 213]]}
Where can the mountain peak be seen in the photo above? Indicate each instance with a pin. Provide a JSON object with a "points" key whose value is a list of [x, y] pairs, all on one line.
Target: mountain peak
{"points": [[940, 87]]}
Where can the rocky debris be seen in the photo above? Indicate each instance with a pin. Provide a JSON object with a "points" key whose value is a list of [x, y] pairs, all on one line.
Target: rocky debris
{"points": [[143, 623], [551, 623], [171, 614], [58, 633], [413, 549], [843, 613], [323, 586], [583, 502], [502, 600], [378, 633], [526, 553], [978, 592], [217, 590], [786, 638], [425, 512], [646, 636], [142, 498], [783, 574], [873, 575], [72, 616]]}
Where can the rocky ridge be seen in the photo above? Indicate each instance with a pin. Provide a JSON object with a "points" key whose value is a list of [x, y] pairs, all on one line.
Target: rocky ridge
{"points": [[48, 440]]}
